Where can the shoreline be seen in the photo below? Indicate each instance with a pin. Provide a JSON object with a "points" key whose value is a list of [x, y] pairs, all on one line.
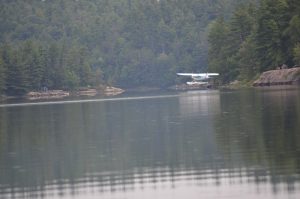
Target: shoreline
{"points": [[268, 80], [60, 94]]}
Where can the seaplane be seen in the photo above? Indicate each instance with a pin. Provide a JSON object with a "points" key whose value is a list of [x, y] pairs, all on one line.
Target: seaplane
{"points": [[198, 78]]}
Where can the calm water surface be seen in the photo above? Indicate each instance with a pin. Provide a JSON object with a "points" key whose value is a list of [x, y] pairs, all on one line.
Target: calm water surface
{"points": [[201, 144]]}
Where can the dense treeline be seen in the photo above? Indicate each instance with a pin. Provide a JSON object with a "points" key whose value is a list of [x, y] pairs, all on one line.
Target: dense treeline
{"points": [[32, 66], [257, 37], [128, 43]]}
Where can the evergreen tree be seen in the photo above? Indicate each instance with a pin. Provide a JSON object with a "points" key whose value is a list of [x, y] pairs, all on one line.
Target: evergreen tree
{"points": [[247, 60], [292, 32], [296, 54], [32, 64], [16, 74], [55, 69], [272, 20], [219, 55]]}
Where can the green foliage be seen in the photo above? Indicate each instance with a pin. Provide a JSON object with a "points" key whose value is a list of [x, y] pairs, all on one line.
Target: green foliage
{"points": [[64, 44], [255, 39], [247, 61], [16, 74], [71, 80], [33, 66], [219, 62], [272, 21], [297, 54]]}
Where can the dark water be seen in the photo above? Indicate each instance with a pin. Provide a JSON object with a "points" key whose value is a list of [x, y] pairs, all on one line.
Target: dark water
{"points": [[203, 144]]}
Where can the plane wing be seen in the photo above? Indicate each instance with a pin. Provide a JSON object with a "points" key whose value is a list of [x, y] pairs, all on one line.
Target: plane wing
{"points": [[198, 74]]}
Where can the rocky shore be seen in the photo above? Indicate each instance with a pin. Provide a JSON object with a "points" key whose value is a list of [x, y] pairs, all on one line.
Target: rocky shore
{"points": [[56, 94], [50, 94], [289, 76], [111, 91]]}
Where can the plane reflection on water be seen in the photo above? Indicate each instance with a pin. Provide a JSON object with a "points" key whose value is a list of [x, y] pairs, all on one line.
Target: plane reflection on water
{"points": [[191, 145], [204, 102]]}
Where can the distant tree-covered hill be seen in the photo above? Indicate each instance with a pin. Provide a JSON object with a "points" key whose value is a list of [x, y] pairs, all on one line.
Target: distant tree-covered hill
{"points": [[130, 43]]}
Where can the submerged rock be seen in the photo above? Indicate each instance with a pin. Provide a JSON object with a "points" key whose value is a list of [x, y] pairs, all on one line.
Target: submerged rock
{"points": [[289, 76]]}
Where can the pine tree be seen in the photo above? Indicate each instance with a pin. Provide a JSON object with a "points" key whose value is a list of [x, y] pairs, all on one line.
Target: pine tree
{"points": [[219, 54], [241, 24], [247, 60], [32, 64], [292, 32], [17, 76], [296, 54], [54, 70], [272, 20]]}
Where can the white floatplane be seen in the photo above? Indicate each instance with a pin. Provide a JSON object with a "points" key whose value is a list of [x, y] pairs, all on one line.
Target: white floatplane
{"points": [[198, 78]]}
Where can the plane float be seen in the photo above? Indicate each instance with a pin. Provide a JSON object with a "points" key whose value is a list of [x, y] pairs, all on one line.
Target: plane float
{"points": [[198, 78]]}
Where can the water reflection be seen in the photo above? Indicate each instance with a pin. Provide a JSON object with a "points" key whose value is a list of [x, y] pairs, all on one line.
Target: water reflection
{"points": [[194, 103], [199, 144]]}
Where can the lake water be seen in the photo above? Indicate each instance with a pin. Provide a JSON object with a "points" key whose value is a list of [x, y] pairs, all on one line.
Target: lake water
{"points": [[200, 144]]}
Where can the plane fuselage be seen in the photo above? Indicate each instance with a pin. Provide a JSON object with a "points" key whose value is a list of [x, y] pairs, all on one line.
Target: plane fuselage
{"points": [[199, 76]]}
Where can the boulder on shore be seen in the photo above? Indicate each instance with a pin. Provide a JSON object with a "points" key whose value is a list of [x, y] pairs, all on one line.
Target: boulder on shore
{"points": [[111, 91], [289, 76], [86, 92]]}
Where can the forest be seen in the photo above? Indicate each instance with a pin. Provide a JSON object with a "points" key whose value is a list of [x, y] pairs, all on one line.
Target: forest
{"points": [[256, 38], [141, 43]]}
